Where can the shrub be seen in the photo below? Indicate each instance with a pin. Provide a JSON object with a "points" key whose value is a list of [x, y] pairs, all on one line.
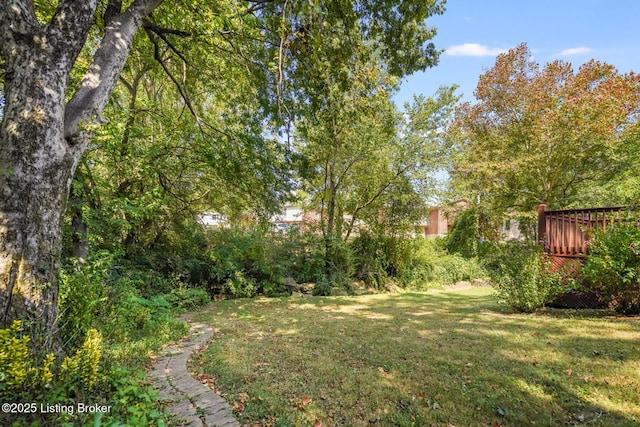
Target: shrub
{"points": [[187, 298], [372, 259], [415, 263], [462, 236], [23, 379], [242, 262], [82, 292], [431, 264], [299, 255], [449, 269], [521, 276], [380, 259], [20, 375], [612, 267]]}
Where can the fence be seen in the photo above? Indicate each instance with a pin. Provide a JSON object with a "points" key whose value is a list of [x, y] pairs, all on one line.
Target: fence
{"points": [[565, 232]]}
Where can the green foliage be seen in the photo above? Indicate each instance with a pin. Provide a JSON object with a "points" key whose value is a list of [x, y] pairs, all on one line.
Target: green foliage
{"points": [[372, 261], [299, 255], [612, 267], [414, 263], [82, 290], [135, 401], [188, 298], [520, 274], [112, 318], [462, 237], [81, 370], [469, 228], [48, 382], [432, 265], [339, 262], [242, 262], [20, 375], [381, 259], [449, 269]]}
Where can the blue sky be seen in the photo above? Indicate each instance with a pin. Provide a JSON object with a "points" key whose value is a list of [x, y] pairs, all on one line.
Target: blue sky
{"points": [[473, 32]]}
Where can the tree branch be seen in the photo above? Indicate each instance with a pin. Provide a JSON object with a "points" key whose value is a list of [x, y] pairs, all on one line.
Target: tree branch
{"points": [[69, 27], [162, 30], [93, 93], [257, 5], [114, 8], [158, 58], [372, 199], [18, 16]]}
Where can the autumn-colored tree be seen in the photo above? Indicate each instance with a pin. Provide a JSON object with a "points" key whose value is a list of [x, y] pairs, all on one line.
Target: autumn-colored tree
{"points": [[542, 134]]}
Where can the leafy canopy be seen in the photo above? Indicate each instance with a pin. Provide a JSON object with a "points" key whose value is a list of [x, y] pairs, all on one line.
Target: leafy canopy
{"points": [[542, 134]]}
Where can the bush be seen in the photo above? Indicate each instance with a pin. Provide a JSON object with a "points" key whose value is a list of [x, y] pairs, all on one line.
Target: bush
{"points": [[372, 259], [187, 298], [431, 264], [612, 267], [82, 292], [414, 263], [242, 262], [450, 269], [20, 375], [521, 276], [462, 237], [23, 379]]}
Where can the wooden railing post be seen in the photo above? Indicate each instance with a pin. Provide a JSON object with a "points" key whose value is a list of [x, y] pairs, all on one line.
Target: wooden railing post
{"points": [[542, 224]]}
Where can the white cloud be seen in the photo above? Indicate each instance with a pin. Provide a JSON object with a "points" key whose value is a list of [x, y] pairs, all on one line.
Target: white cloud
{"points": [[473, 49], [574, 51]]}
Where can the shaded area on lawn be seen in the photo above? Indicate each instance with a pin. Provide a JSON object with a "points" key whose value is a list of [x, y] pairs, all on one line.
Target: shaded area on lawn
{"points": [[423, 358]]}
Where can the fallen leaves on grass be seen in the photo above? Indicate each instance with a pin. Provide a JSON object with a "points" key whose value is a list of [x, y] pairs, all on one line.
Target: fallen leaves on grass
{"points": [[304, 401], [207, 379], [237, 407]]}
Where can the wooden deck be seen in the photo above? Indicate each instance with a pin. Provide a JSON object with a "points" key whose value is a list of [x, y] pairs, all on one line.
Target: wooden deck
{"points": [[565, 233]]}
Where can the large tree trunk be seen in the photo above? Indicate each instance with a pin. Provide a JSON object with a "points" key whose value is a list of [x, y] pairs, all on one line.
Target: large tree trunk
{"points": [[36, 167], [41, 143]]}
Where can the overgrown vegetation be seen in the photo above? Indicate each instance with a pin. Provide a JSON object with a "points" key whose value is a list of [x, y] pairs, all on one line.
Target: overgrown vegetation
{"points": [[240, 108], [125, 310], [250, 262], [111, 322], [612, 267], [521, 275]]}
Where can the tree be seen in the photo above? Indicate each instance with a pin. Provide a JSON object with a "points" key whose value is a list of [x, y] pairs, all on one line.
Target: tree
{"points": [[541, 135], [367, 163], [345, 76], [42, 141], [159, 162], [49, 116]]}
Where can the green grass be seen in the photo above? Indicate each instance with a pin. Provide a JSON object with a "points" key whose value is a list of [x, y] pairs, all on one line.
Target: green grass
{"points": [[438, 358]]}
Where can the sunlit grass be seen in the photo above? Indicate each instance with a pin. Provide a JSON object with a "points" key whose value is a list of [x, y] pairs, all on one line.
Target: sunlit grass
{"points": [[421, 359]]}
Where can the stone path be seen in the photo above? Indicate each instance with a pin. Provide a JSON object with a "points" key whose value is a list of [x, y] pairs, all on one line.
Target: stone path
{"points": [[189, 399]]}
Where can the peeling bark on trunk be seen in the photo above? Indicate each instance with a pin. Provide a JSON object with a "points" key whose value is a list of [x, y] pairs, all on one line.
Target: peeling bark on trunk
{"points": [[41, 144]]}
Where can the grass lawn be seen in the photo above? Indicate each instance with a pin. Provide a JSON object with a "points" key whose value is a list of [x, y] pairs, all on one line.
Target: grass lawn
{"points": [[436, 358]]}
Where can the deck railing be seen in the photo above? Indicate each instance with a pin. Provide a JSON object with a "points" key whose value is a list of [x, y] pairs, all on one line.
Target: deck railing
{"points": [[565, 232]]}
